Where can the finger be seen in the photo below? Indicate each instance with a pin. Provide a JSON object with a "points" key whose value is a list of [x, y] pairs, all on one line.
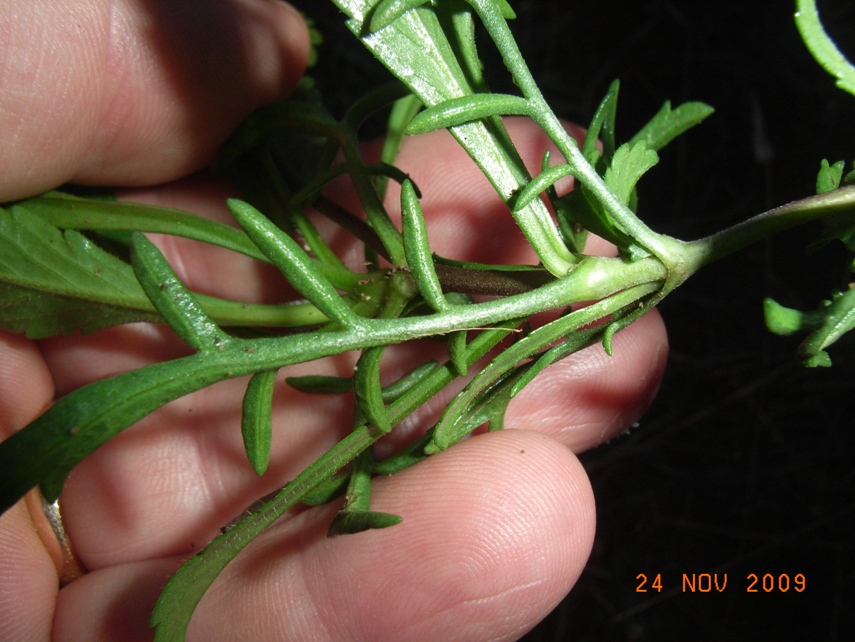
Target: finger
{"points": [[466, 218], [133, 92], [587, 398], [26, 564], [181, 473], [495, 532]]}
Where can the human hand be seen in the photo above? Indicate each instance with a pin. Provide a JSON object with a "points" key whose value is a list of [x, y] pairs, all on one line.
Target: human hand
{"points": [[496, 529]]}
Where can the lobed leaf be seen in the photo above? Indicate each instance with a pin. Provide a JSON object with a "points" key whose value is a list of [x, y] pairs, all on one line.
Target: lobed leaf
{"points": [[669, 123], [630, 162], [825, 325], [38, 314], [46, 272]]}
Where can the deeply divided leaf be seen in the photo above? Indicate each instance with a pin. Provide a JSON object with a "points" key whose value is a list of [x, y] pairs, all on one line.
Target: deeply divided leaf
{"points": [[54, 282], [669, 123]]}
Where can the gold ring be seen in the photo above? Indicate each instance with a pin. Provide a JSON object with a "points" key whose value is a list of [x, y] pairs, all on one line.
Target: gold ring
{"points": [[47, 519]]}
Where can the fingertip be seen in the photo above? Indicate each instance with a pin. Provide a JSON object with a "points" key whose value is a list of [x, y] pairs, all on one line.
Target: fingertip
{"points": [[193, 77], [495, 532], [130, 93], [26, 386]]}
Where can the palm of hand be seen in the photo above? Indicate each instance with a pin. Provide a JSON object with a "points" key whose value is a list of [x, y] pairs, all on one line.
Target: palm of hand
{"points": [[496, 530]]}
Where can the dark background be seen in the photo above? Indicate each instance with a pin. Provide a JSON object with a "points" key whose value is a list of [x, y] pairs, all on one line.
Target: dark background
{"points": [[744, 465]]}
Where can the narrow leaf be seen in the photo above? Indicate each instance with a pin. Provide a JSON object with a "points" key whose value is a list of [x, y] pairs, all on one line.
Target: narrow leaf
{"points": [[839, 319], [543, 181], [573, 343], [326, 491], [66, 212], [602, 125], [256, 423], [294, 263], [320, 384], [457, 352], [174, 301], [824, 51], [351, 522], [465, 109], [403, 111], [417, 249], [366, 387]]}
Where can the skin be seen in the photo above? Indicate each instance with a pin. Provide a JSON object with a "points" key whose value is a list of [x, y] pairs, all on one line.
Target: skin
{"points": [[496, 530]]}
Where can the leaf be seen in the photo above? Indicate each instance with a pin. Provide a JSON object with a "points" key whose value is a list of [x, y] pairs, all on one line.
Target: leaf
{"points": [[54, 282], [348, 522], [320, 384], [256, 423], [785, 321], [823, 49], [47, 449], [387, 11], [630, 162], [174, 301], [417, 249], [294, 263], [70, 212], [366, 387], [458, 111], [825, 326], [38, 314], [543, 181], [417, 50], [829, 176], [603, 124], [584, 209], [398, 388], [403, 111], [669, 123]]}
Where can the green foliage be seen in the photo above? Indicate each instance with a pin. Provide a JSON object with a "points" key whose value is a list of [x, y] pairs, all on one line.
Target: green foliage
{"points": [[822, 47], [54, 283], [256, 424], [827, 324], [54, 279]]}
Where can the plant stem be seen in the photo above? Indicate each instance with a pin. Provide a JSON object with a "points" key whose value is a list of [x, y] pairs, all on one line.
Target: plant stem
{"points": [[707, 250], [822, 47]]}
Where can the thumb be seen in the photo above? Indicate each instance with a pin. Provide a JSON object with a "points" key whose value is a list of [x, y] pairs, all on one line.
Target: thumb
{"points": [[132, 92]]}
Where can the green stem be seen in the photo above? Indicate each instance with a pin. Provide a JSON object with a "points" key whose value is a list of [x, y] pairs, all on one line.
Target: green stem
{"points": [[498, 29], [707, 250], [822, 47], [184, 590]]}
